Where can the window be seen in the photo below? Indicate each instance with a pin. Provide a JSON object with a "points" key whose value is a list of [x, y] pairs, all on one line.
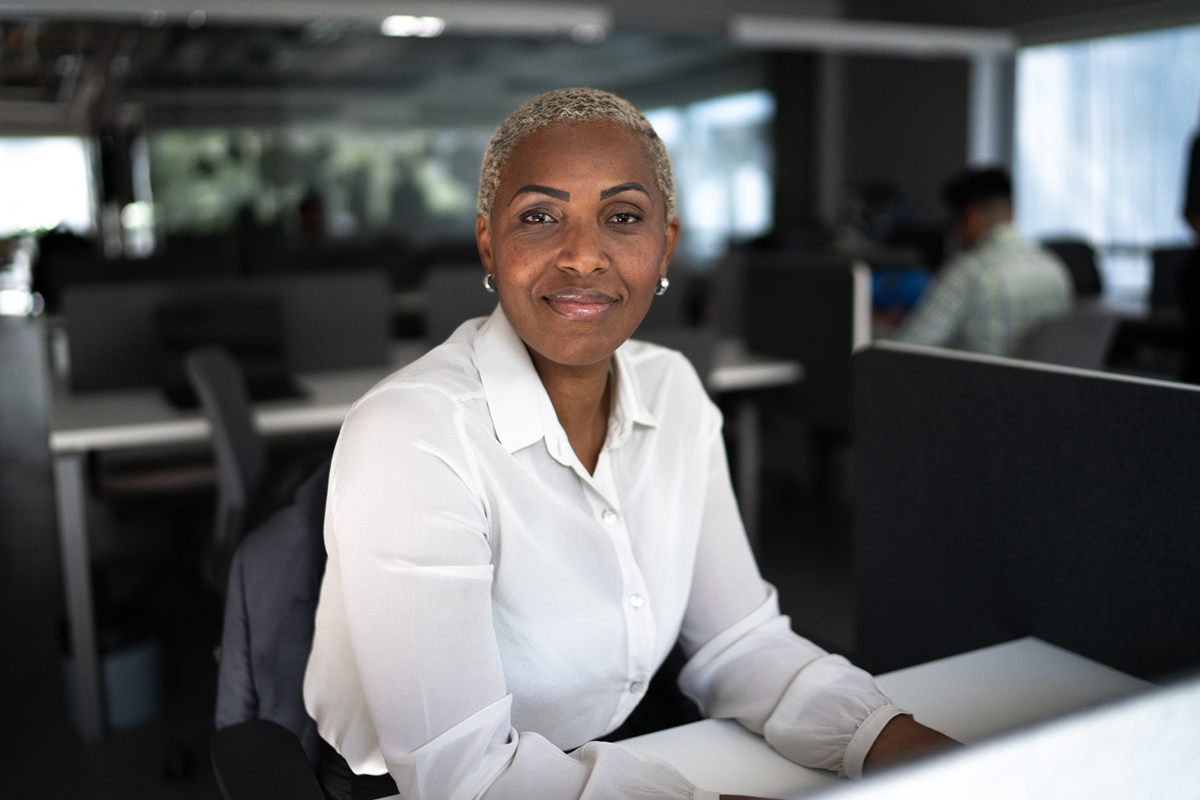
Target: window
{"points": [[420, 183], [721, 154], [47, 182], [1103, 130]]}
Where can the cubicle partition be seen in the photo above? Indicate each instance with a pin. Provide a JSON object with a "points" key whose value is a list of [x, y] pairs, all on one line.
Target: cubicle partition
{"points": [[330, 321], [815, 310], [997, 498]]}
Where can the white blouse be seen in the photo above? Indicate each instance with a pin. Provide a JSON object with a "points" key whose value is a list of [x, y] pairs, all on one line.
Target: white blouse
{"points": [[488, 605]]}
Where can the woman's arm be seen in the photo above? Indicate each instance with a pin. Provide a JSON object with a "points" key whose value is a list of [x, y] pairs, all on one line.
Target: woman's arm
{"points": [[747, 664]]}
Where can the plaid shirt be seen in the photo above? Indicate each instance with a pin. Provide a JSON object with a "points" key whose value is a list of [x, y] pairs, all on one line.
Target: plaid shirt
{"points": [[986, 298]]}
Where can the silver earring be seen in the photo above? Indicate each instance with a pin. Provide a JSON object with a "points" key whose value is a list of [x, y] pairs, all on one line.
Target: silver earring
{"points": [[663, 283], [487, 282]]}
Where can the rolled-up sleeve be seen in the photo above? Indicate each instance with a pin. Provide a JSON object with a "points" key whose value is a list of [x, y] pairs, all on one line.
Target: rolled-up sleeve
{"points": [[746, 664], [410, 574]]}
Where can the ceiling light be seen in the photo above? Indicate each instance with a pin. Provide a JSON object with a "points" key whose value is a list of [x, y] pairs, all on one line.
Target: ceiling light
{"points": [[587, 33], [401, 25]]}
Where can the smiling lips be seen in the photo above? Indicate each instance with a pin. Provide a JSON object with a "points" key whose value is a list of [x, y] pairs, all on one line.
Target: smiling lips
{"points": [[580, 303]]}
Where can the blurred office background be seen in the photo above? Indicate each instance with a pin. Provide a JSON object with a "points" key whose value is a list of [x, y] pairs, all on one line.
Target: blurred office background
{"points": [[262, 140]]}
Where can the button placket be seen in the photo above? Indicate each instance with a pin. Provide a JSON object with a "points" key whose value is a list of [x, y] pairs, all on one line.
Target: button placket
{"points": [[639, 618]]}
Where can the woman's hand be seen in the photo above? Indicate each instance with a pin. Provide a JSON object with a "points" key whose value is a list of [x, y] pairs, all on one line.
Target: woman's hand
{"points": [[904, 739]]}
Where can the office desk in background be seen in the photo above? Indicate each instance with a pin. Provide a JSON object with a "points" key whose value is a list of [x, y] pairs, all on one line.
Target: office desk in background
{"points": [[970, 697], [125, 419]]}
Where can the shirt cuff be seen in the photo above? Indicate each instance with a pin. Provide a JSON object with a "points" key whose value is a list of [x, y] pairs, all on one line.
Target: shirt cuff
{"points": [[705, 794], [864, 738]]}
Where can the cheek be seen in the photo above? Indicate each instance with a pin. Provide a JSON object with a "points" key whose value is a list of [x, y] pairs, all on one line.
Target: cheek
{"points": [[518, 262]]}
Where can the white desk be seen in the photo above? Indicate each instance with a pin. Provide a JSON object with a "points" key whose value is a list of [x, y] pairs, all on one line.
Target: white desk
{"points": [[137, 418], [971, 697]]}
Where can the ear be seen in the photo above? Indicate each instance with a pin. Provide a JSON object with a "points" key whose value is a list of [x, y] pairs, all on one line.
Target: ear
{"points": [[483, 240], [670, 239]]}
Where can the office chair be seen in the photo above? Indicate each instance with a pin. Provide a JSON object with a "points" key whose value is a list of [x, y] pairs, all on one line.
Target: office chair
{"points": [[1080, 260], [261, 760], [1168, 265], [1080, 339], [266, 745], [270, 609], [238, 449]]}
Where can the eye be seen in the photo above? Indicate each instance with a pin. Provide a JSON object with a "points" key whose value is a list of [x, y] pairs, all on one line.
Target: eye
{"points": [[625, 218], [537, 218]]}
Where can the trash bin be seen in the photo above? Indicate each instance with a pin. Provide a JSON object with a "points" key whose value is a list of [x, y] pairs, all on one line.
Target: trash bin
{"points": [[130, 667]]}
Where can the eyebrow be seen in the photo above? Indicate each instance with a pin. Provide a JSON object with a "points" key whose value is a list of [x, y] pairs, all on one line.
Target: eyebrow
{"points": [[626, 187], [557, 194]]}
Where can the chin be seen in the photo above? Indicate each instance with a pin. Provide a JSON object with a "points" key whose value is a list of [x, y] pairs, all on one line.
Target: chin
{"points": [[578, 350]]}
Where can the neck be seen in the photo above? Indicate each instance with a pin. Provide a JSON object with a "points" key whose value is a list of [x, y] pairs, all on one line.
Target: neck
{"points": [[581, 399]]}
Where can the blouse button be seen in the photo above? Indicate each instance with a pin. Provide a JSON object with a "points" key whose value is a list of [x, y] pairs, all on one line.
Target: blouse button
{"points": [[636, 687], [609, 517], [636, 601]]}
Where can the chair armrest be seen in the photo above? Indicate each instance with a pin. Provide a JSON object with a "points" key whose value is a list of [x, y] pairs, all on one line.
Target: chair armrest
{"points": [[260, 760]]}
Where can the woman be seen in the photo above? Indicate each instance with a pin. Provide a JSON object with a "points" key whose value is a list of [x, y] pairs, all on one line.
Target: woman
{"points": [[522, 524]]}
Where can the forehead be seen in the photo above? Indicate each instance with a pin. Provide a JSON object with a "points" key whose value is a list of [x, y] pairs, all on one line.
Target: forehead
{"points": [[576, 149]]}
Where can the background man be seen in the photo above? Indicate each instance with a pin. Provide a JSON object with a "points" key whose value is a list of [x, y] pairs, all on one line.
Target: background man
{"points": [[999, 286]]}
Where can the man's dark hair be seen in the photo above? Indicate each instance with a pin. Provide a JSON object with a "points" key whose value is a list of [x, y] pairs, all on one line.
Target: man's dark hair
{"points": [[977, 187]]}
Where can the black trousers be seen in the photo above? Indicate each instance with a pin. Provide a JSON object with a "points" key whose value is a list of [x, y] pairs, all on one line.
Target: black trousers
{"points": [[339, 782]]}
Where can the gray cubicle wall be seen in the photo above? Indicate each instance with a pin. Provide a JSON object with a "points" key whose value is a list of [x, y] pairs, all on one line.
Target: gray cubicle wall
{"points": [[816, 310], [332, 321], [996, 498]]}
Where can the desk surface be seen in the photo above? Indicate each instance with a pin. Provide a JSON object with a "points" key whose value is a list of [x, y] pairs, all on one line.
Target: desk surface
{"points": [[130, 418], [970, 697]]}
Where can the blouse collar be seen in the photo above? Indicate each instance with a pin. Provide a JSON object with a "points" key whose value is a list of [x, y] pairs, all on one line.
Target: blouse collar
{"points": [[520, 408]]}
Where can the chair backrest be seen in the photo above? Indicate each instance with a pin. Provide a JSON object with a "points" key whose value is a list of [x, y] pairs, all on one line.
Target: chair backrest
{"points": [[238, 448], [1080, 339], [816, 310], [1080, 259], [1168, 264], [997, 498], [274, 585], [454, 293]]}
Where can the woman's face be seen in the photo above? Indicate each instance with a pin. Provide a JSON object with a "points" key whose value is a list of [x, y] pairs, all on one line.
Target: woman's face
{"points": [[577, 241]]}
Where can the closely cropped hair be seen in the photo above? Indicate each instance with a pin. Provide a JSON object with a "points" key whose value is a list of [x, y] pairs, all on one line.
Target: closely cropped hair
{"points": [[570, 106], [977, 187]]}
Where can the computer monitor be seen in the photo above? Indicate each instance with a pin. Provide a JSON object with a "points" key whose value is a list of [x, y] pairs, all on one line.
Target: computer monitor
{"points": [[330, 320], [997, 498], [1144, 747]]}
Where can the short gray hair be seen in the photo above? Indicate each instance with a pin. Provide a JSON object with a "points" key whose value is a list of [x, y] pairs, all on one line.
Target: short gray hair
{"points": [[568, 106]]}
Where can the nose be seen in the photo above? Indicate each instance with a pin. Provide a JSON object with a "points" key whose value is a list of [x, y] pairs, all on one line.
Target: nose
{"points": [[582, 249]]}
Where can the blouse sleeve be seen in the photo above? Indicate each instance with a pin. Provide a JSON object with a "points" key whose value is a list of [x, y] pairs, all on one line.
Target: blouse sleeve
{"points": [[745, 663], [407, 528]]}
